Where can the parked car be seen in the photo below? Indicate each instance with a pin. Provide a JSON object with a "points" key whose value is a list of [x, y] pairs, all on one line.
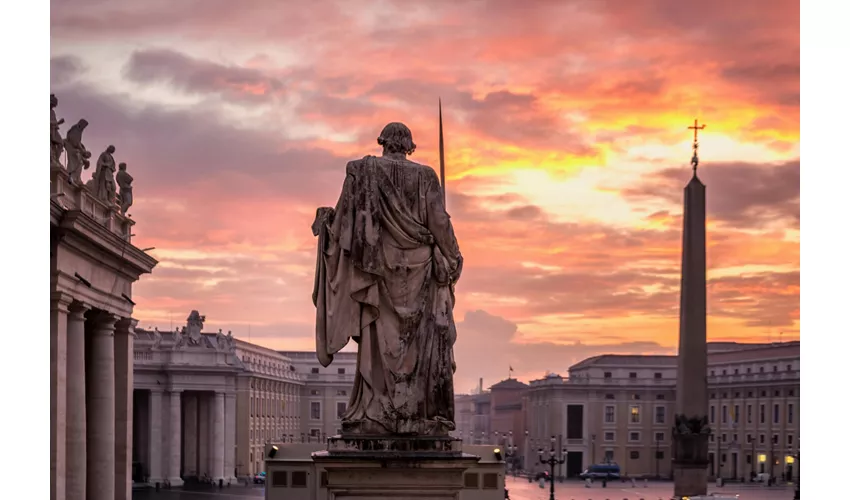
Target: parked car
{"points": [[601, 471], [260, 478]]}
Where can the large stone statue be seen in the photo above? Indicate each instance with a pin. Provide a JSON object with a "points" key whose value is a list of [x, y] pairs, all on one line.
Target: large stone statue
{"points": [[55, 138], [125, 184], [103, 181], [387, 263], [78, 155]]}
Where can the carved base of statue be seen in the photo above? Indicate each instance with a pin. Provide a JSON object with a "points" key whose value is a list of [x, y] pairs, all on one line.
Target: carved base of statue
{"points": [[395, 467]]}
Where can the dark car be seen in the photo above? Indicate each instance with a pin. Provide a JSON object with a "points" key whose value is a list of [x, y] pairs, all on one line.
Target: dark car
{"points": [[260, 478], [601, 471]]}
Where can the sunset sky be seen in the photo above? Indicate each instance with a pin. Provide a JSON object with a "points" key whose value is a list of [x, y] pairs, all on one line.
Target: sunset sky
{"points": [[567, 149]]}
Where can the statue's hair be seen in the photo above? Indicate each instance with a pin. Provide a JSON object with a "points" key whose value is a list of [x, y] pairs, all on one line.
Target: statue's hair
{"points": [[396, 138]]}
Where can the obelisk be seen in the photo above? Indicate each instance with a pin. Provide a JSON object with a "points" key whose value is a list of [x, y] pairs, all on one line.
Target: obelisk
{"points": [[690, 434]]}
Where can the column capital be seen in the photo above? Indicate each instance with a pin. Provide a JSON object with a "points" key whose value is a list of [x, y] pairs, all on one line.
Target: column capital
{"points": [[61, 301], [78, 309], [126, 326], [104, 322]]}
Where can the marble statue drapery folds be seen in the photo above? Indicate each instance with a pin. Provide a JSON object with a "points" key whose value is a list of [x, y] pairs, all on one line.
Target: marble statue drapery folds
{"points": [[387, 261]]}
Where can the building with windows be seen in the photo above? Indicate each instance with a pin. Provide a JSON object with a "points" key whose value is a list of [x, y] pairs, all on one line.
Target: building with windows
{"points": [[619, 408], [325, 393], [268, 405]]}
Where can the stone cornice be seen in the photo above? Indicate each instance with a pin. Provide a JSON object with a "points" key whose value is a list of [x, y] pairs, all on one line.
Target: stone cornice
{"points": [[90, 231]]}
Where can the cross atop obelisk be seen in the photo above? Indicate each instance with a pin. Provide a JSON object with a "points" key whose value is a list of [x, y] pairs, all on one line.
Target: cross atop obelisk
{"points": [[696, 128]]}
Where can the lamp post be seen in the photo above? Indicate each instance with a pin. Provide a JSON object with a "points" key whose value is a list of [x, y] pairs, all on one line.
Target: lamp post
{"points": [[510, 454], [525, 451], [657, 460], [552, 462]]}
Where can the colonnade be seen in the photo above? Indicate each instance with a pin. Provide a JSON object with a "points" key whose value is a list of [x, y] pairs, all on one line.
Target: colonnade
{"points": [[91, 401]]}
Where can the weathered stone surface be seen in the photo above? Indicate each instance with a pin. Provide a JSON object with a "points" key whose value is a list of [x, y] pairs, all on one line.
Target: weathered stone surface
{"points": [[387, 262], [78, 155]]}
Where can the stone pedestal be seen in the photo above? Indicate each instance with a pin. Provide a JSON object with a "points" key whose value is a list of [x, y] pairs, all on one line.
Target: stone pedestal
{"points": [[394, 468]]}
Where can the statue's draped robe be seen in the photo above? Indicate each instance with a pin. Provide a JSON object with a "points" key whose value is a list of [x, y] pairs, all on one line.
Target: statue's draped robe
{"points": [[386, 256], [104, 178]]}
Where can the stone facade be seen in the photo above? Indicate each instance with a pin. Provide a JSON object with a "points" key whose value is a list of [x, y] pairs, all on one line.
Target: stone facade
{"points": [[627, 403], [325, 392], [268, 404]]}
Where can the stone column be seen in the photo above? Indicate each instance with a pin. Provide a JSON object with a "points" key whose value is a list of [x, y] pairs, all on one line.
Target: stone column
{"points": [[230, 437], [156, 471], [100, 449], [59, 303], [190, 433], [174, 438], [75, 451], [124, 337], [218, 438]]}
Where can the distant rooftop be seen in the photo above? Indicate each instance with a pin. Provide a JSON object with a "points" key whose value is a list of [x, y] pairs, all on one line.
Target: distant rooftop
{"points": [[510, 383]]}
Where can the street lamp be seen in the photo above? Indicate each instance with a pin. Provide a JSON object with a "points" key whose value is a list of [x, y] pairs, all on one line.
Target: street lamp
{"points": [[552, 462]]}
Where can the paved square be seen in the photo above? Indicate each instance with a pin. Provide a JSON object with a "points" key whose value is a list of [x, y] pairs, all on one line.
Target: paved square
{"points": [[521, 489]]}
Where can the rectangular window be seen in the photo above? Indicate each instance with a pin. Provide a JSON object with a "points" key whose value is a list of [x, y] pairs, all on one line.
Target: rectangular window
{"points": [[632, 374], [776, 439], [659, 437], [314, 370], [790, 413], [340, 371], [315, 432], [634, 436], [575, 421], [657, 374], [790, 440], [609, 415], [609, 396], [315, 392], [634, 455], [660, 396], [711, 414], [761, 414], [279, 479], [607, 375], [609, 436], [723, 437], [660, 414], [735, 417], [776, 414], [749, 438], [725, 414], [340, 409], [659, 455], [634, 414], [761, 438], [315, 410], [749, 414]]}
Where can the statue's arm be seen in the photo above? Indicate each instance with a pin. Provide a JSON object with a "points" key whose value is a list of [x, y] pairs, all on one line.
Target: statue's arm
{"points": [[440, 225]]}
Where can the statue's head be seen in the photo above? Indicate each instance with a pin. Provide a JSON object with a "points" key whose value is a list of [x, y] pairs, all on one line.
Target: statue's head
{"points": [[122, 166], [396, 138], [83, 123], [110, 149], [53, 100]]}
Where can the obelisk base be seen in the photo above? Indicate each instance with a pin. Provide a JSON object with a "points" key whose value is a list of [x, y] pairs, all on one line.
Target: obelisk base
{"points": [[690, 457], [394, 468]]}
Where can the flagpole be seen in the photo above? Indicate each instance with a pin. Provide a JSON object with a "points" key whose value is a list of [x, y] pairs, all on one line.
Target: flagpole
{"points": [[442, 154]]}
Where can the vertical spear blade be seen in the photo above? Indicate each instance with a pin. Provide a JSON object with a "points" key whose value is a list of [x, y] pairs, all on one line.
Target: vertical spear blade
{"points": [[442, 155]]}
